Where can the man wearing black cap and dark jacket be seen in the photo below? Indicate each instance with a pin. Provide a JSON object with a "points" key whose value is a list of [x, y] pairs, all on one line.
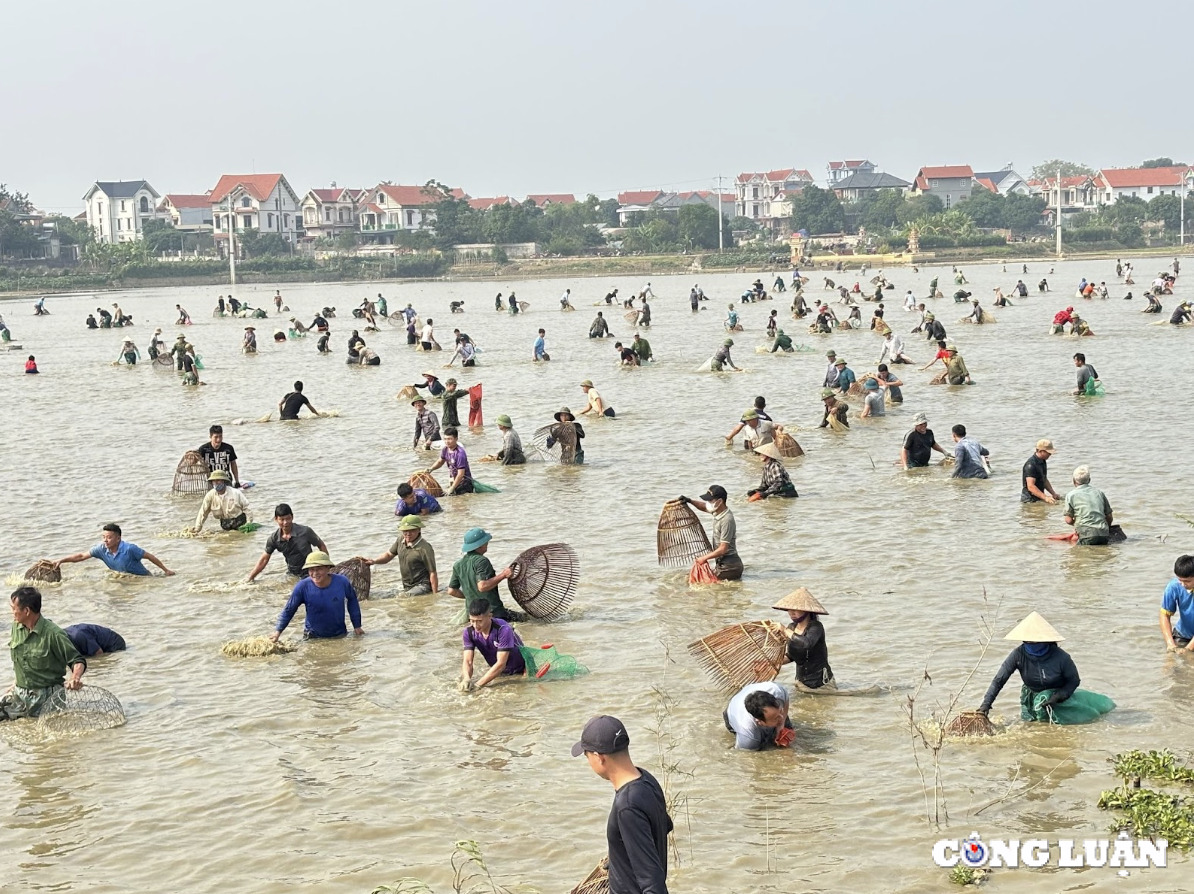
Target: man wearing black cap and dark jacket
{"points": [[638, 824], [725, 533]]}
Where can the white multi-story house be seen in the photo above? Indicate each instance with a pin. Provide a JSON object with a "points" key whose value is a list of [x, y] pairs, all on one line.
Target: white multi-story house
{"points": [[840, 170], [117, 209], [756, 190], [387, 208], [1143, 183], [262, 202], [327, 213], [1004, 182], [187, 212]]}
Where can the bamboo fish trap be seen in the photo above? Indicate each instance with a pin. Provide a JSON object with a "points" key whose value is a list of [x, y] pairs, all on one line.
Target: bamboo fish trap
{"points": [[359, 574], [255, 647], [544, 580], [597, 881], [734, 656], [680, 537], [44, 571], [426, 481], [564, 446], [786, 445], [190, 477], [970, 723]]}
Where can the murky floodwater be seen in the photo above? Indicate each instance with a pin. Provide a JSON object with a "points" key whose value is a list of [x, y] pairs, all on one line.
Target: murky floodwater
{"points": [[351, 763]]}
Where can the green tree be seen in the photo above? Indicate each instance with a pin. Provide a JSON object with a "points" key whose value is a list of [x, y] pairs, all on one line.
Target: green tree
{"points": [[817, 211], [656, 234], [1022, 214], [252, 243], [1168, 210], [1126, 210], [881, 210], [984, 207], [1048, 169], [1162, 162], [697, 226], [505, 224], [923, 206], [160, 236]]}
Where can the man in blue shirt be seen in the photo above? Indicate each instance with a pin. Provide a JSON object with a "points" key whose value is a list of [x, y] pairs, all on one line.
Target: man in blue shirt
{"points": [[758, 716], [1179, 600], [325, 595], [117, 554], [540, 347], [92, 639], [415, 501]]}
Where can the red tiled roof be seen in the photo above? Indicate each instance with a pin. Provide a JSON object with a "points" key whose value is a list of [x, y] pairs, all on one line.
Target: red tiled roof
{"points": [[781, 175], [944, 172], [1066, 182], [804, 175], [986, 182], [259, 186], [552, 198], [336, 194], [486, 204], [856, 163], [836, 165], [375, 209], [1126, 178], [413, 195], [639, 197], [181, 200]]}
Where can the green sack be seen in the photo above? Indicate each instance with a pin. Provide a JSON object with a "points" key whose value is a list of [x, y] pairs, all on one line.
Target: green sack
{"points": [[249, 527], [199, 362], [479, 488], [545, 663], [1081, 707], [1094, 388]]}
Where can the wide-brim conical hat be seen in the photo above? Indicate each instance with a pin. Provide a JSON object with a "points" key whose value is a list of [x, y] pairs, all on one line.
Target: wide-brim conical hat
{"points": [[769, 450], [800, 600], [1035, 629]]}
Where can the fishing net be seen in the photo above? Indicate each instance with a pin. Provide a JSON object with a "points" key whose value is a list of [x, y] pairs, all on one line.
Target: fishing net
{"points": [[190, 477], [546, 663], [597, 881], [249, 527], [479, 488], [701, 573], [255, 647], [359, 574], [679, 535], [786, 445], [1093, 388], [751, 652], [564, 441], [837, 417], [544, 580], [426, 481], [397, 318], [44, 571], [1081, 707], [163, 361], [74, 712], [970, 723]]}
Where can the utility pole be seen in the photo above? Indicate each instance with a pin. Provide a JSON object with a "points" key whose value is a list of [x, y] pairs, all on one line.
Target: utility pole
{"points": [[1185, 180], [231, 241], [1059, 213]]}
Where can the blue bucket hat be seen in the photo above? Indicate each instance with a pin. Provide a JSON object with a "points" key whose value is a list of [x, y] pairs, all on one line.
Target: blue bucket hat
{"points": [[871, 385], [475, 538]]}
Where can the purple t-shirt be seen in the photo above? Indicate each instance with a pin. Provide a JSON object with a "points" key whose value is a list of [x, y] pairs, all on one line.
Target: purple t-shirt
{"points": [[456, 460], [501, 638]]}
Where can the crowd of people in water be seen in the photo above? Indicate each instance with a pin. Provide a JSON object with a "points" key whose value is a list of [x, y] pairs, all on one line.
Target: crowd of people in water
{"points": [[47, 659]]}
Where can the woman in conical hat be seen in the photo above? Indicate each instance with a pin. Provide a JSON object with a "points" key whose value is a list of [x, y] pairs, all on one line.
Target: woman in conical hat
{"points": [[806, 639], [776, 482], [1050, 679]]}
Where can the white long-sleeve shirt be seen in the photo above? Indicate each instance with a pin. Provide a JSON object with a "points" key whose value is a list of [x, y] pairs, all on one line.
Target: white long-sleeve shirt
{"points": [[229, 504]]}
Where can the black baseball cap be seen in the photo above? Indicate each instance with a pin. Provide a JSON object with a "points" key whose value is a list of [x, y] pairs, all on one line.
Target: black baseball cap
{"points": [[715, 492], [602, 735]]}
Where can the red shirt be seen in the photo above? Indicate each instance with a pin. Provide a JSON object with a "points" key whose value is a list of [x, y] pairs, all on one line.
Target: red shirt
{"points": [[1061, 317]]}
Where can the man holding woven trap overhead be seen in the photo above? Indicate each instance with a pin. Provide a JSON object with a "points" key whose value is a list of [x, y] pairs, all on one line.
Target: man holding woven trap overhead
{"points": [[41, 653]]}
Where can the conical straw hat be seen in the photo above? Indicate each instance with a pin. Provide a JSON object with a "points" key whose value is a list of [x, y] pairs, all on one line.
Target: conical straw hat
{"points": [[1035, 629], [801, 600], [769, 450]]}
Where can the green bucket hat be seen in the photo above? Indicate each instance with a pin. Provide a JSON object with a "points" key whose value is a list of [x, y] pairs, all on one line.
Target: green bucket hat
{"points": [[504, 421], [749, 414], [826, 392], [475, 538], [779, 332], [410, 523], [417, 399], [728, 342]]}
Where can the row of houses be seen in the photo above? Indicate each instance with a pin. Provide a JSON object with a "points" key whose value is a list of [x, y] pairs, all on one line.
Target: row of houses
{"points": [[766, 197]]}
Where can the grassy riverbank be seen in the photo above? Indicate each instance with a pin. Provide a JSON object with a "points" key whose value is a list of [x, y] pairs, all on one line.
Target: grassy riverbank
{"points": [[41, 281]]}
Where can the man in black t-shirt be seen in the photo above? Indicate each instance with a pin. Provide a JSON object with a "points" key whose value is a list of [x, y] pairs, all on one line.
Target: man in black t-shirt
{"points": [[290, 405], [219, 456], [1035, 486], [294, 542], [638, 824], [919, 444]]}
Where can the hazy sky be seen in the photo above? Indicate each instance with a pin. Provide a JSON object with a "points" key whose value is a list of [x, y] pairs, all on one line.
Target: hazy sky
{"points": [[518, 97]]}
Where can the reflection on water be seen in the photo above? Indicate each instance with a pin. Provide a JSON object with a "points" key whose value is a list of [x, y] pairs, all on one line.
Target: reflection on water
{"points": [[350, 763]]}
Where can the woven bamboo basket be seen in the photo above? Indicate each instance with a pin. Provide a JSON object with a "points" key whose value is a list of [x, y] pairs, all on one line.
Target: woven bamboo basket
{"points": [[563, 450], [45, 571], [427, 482], [359, 574], [751, 652], [938, 379], [970, 723], [630, 316], [597, 881], [786, 445], [544, 580], [190, 477], [680, 537]]}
